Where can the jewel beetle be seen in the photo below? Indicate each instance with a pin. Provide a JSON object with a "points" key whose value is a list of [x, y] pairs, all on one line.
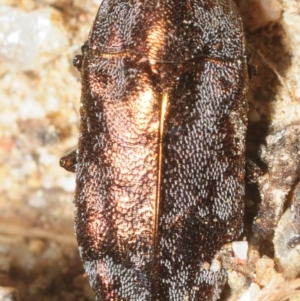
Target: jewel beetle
{"points": [[160, 164]]}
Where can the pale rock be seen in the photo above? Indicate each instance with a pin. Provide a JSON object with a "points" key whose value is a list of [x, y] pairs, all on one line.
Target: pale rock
{"points": [[30, 39]]}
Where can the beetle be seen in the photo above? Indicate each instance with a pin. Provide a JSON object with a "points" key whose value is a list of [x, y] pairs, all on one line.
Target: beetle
{"points": [[160, 164]]}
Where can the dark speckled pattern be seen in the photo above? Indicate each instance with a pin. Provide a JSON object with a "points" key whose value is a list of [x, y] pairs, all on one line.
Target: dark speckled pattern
{"points": [[160, 190]]}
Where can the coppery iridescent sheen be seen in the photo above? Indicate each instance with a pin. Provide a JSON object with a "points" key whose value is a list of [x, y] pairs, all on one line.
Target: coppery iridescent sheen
{"points": [[160, 166]]}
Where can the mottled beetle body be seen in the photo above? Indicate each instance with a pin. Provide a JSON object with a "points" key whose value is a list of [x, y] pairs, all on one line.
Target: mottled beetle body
{"points": [[160, 173]]}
